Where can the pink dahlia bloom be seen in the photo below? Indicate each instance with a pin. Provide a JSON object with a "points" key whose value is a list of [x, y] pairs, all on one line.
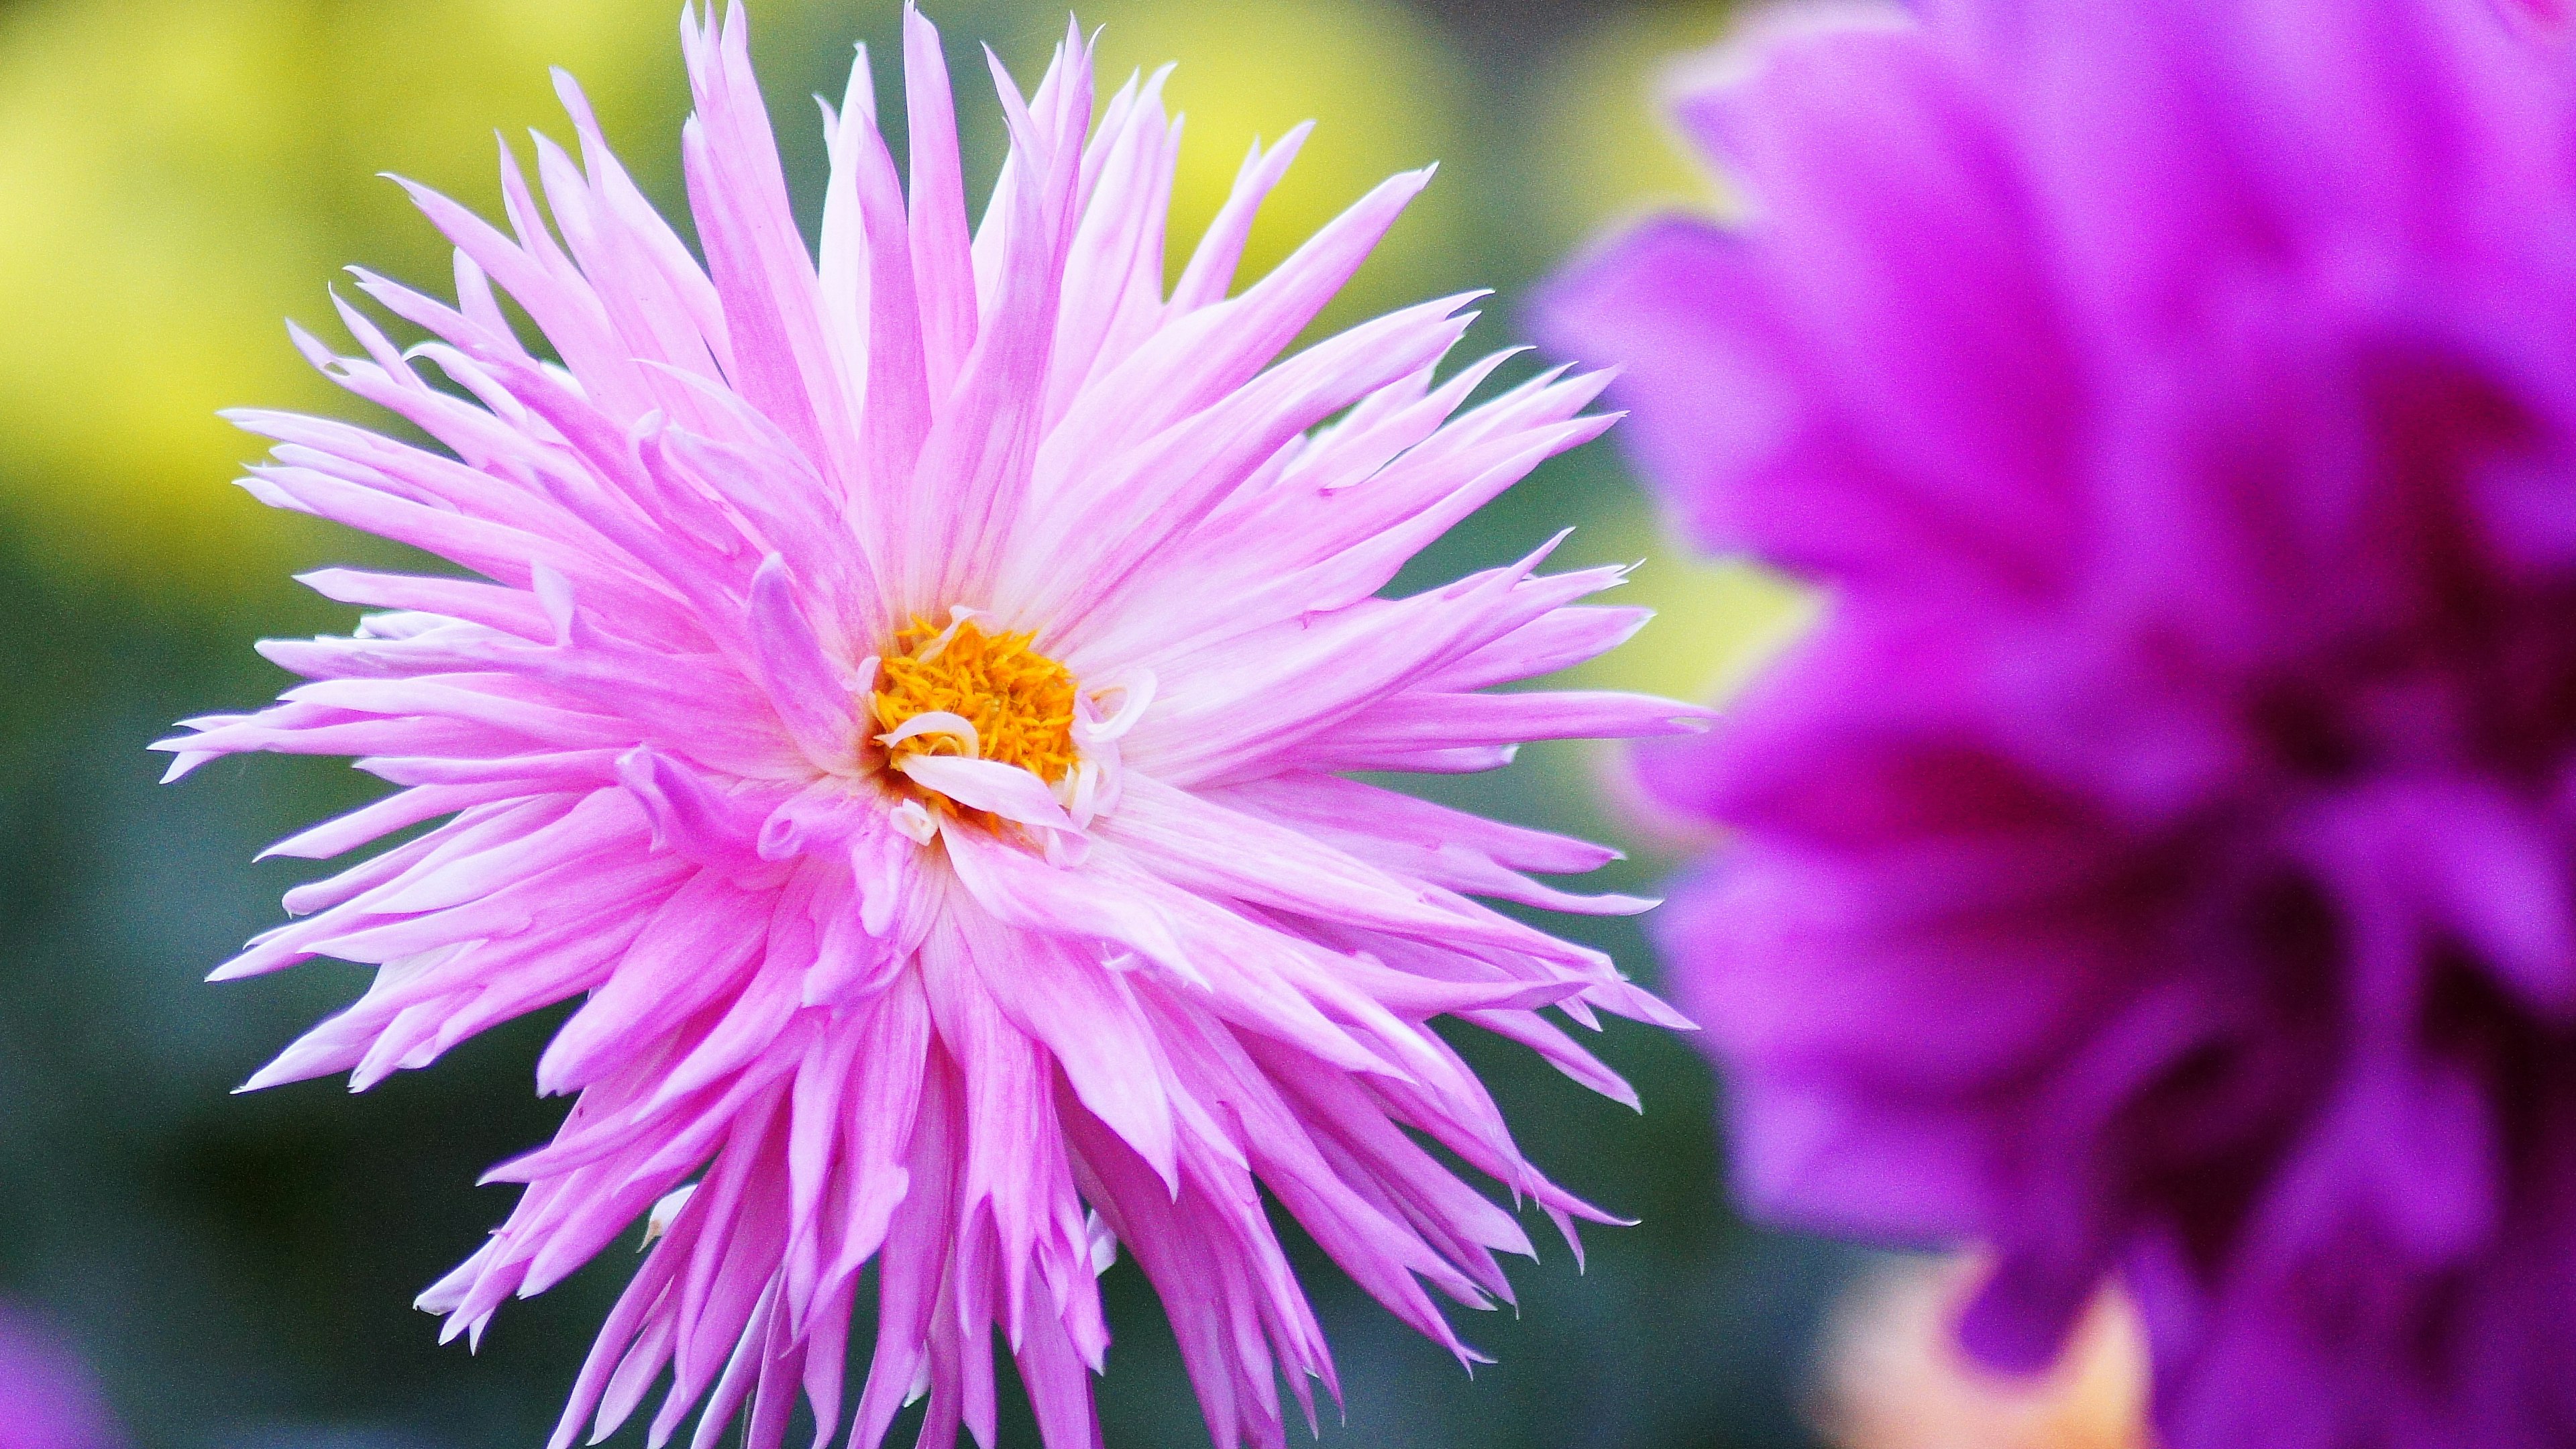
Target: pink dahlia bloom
{"points": [[2162, 860], [910, 695]]}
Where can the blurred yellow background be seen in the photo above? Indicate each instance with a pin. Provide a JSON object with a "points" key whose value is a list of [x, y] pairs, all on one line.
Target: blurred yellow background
{"points": [[182, 175]]}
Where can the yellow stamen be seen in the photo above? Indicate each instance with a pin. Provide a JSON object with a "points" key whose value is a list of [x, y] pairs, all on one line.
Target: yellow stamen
{"points": [[1019, 701]]}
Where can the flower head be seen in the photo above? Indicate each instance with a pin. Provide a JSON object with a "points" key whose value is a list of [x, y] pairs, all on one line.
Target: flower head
{"points": [[2158, 861], [909, 697]]}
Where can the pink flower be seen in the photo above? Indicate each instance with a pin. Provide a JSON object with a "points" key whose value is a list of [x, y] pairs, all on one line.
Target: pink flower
{"points": [[2159, 864], [910, 695]]}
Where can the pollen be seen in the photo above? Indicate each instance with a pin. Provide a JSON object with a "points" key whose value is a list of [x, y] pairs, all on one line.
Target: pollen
{"points": [[1019, 702]]}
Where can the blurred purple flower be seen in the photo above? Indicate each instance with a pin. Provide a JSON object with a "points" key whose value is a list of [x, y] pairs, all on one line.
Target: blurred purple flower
{"points": [[47, 1399], [2159, 860], [912, 706]]}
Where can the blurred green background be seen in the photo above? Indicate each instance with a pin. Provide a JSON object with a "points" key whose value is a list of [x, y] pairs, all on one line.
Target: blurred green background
{"points": [[178, 176]]}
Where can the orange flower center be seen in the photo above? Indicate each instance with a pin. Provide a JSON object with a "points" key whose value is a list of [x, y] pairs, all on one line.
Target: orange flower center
{"points": [[1017, 702]]}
